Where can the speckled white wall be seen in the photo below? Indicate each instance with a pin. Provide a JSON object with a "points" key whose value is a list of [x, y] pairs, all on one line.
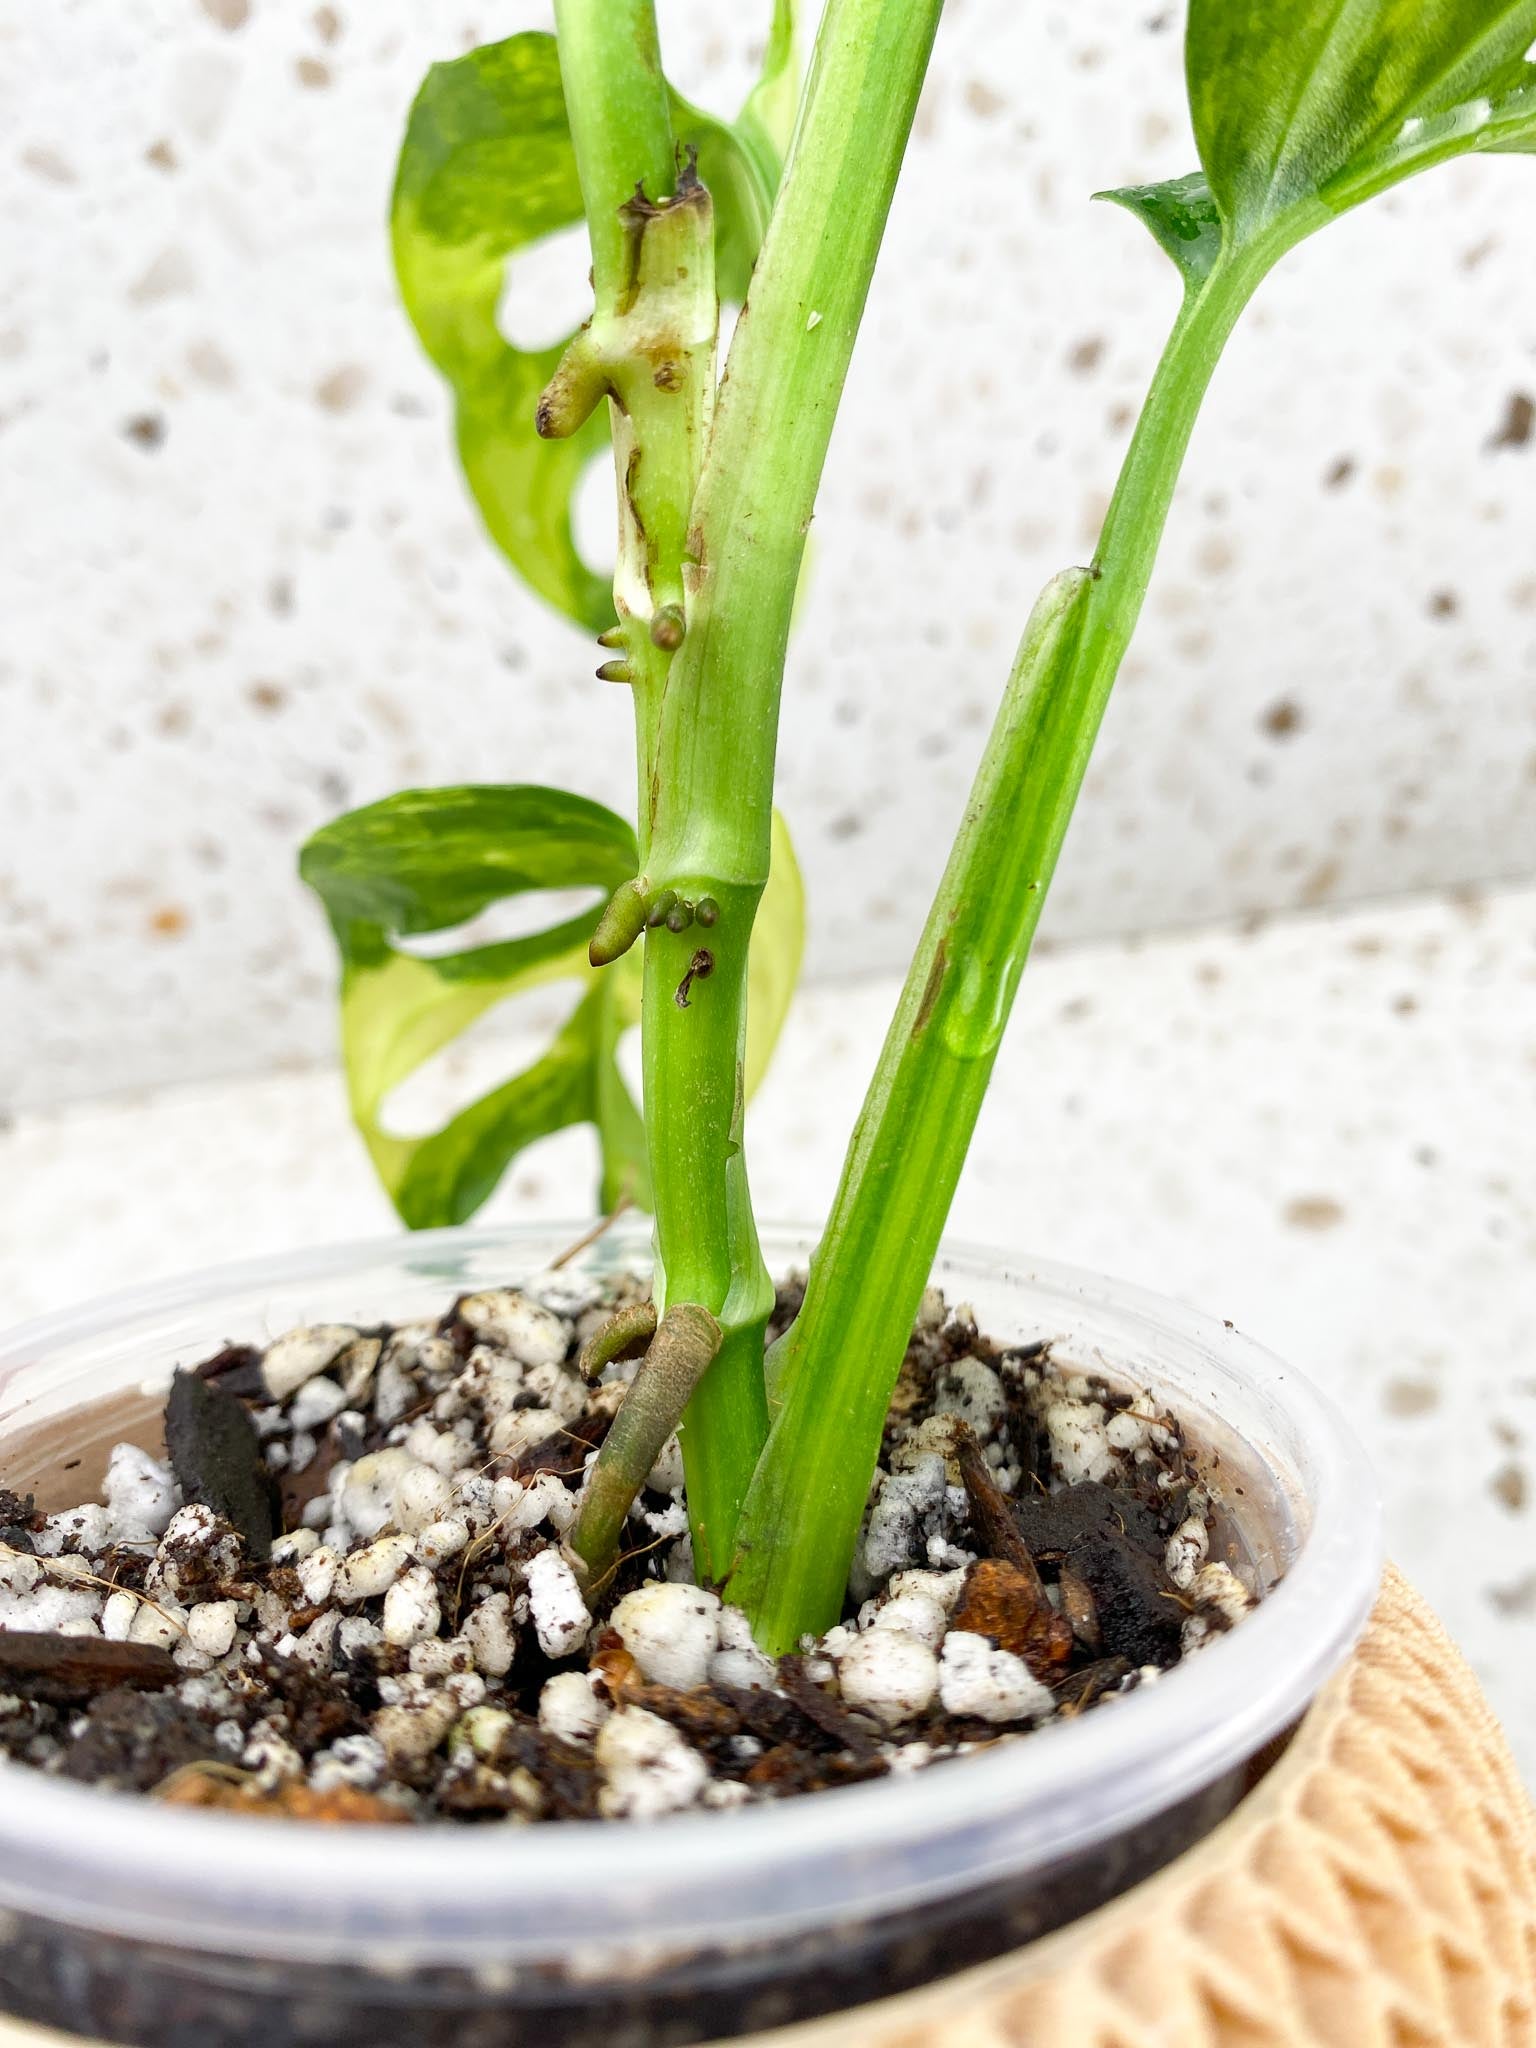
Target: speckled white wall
{"points": [[241, 588]]}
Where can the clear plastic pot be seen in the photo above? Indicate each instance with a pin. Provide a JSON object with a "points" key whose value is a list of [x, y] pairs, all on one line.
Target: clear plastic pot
{"points": [[188, 1929]]}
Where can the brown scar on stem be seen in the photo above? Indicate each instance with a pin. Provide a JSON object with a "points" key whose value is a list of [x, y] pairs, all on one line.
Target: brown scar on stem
{"points": [[931, 987], [700, 967]]}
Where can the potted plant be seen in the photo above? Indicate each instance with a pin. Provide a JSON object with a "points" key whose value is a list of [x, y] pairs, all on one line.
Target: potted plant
{"points": [[479, 1526]]}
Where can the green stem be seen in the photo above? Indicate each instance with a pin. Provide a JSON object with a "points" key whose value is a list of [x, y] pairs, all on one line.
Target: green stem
{"points": [[650, 344], [621, 123], [709, 822], [831, 1375]]}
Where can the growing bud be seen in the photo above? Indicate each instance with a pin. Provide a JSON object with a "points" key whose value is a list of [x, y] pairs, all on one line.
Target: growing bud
{"points": [[615, 672], [679, 917], [614, 637], [668, 628], [661, 908], [707, 910], [621, 923]]}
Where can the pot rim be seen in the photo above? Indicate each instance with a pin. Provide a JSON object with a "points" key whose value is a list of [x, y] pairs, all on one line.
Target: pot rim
{"points": [[446, 1894]]}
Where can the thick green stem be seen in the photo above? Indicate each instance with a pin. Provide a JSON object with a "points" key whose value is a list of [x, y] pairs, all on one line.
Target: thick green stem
{"points": [[708, 826], [650, 344], [621, 123], [832, 1374]]}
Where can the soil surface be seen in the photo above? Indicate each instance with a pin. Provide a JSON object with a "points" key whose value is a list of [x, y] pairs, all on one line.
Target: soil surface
{"points": [[341, 1593]]}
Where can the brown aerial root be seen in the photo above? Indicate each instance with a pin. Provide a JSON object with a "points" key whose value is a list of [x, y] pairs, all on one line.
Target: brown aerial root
{"points": [[681, 1352]]}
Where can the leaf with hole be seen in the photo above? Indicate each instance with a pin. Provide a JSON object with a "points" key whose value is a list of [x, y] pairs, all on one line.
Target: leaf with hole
{"points": [[431, 861], [434, 860], [487, 170]]}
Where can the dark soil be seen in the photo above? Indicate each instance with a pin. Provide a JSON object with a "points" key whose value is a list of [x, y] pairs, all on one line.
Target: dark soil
{"points": [[325, 1694]]}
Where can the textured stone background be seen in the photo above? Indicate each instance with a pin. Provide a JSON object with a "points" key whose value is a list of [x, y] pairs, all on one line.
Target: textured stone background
{"points": [[241, 588]]}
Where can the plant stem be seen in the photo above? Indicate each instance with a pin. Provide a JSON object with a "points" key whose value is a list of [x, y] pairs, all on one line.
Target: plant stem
{"points": [[650, 344], [621, 123], [831, 1375], [708, 823]]}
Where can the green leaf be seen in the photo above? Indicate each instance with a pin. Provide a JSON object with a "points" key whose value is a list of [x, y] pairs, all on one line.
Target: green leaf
{"points": [[1301, 112], [429, 859], [1182, 215], [778, 945], [450, 1174], [487, 169], [767, 118], [1291, 104], [432, 860]]}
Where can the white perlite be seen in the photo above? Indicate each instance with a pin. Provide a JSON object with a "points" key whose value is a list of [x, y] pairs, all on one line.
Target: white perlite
{"points": [[441, 1540], [414, 1728], [971, 1390], [313, 1405], [523, 1430], [1080, 1444], [365, 1493], [88, 1529], [300, 1355], [994, 1685], [666, 1475], [1188, 1548], [671, 1631], [522, 1504], [739, 1661], [648, 1769], [317, 1574], [1217, 1585], [49, 1607], [140, 1492], [422, 1495], [211, 1627], [914, 1613], [411, 1610], [888, 1674], [367, 1573], [163, 1625], [943, 1588], [560, 1615], [351, 1760], [443, 1449], [117, 1616], [570, 1709], [893, 1538], [20, 1575], [491, 1638], [533, 1334]]}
